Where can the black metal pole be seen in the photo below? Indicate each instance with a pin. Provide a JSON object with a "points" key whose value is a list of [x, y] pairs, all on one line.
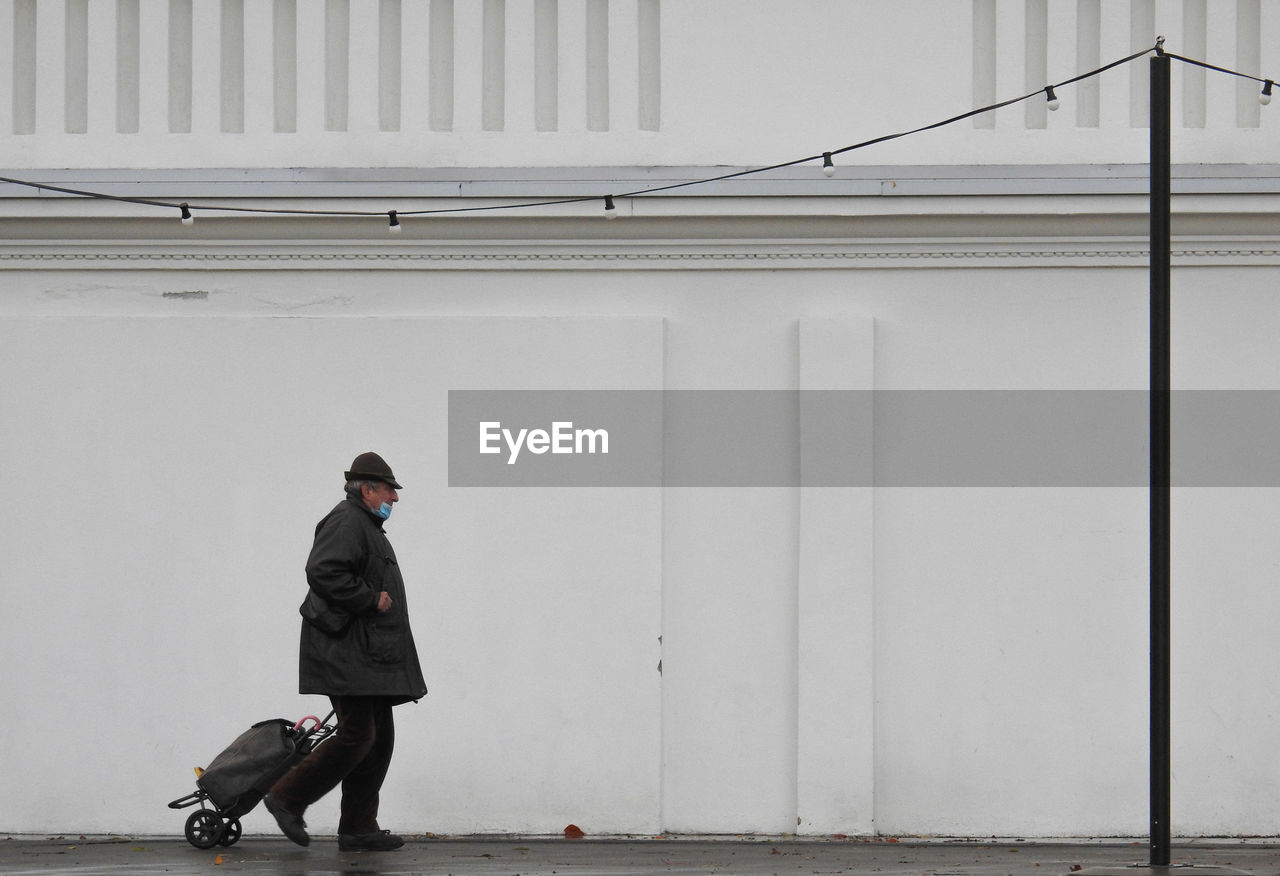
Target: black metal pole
{"points": [[1160, 361]]}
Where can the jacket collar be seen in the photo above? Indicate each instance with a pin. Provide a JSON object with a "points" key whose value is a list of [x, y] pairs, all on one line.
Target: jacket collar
{"points": [[359, 503]]}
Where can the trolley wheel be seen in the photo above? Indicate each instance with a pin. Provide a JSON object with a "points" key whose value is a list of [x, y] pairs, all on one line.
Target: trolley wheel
{"points": [[204, 828], [230, 833]]}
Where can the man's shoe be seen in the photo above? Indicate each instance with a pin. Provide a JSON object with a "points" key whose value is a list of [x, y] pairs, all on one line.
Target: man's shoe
{"points": [[291, 825], [383, 841]]}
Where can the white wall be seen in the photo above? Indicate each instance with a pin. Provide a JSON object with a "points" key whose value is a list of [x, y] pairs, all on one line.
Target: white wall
{"points": [[178, 405], [646, 83], [187, 461], [833, 656]]}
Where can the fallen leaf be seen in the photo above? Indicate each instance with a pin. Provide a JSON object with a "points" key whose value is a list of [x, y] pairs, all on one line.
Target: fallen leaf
{"points": [[573, 832], [218, 860]]}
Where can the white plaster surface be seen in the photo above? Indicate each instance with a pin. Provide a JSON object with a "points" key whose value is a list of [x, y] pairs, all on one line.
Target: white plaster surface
{"points": [[170, 456], [177, 406]]}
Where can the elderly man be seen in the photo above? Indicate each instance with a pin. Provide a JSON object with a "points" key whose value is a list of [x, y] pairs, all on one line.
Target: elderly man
{"points": [[358, 650]]}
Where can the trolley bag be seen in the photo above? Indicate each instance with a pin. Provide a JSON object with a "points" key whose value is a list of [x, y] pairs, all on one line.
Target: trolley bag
{"points": [[243, 773]]}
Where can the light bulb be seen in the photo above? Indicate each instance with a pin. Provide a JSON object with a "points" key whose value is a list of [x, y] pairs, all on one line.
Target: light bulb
{"points": [[393, 222], [610, 211], [1265, 97], [828, 166], [187, 218], [1052, 98]]}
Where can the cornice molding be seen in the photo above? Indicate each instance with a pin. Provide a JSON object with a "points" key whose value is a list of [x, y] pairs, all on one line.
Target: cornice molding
{"points": [[565, 181], [630, 257]]}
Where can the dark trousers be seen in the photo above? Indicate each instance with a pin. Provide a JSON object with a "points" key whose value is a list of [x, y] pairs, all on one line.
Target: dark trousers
{"points": [[357, 755]]}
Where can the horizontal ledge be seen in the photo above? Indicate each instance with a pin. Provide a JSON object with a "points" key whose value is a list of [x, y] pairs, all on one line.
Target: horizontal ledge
{"points": [[1072, 223], [542, 182], [636, 255]]}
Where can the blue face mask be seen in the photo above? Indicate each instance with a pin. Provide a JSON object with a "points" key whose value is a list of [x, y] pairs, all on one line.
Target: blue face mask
{"points": [[383, 510]]}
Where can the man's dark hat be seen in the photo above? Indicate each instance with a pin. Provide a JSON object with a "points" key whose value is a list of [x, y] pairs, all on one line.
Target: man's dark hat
{"points": [[372, 467]]}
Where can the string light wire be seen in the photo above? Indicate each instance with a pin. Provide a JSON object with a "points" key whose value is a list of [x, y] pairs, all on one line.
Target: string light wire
{"points": [[1214, 67], [887, 137], [825, 157], [1264, 98]]}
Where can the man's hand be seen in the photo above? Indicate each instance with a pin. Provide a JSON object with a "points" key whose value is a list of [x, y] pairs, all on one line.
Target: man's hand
{"points": [[384, 602]]}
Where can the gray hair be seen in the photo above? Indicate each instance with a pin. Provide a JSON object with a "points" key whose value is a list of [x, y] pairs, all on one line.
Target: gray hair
{"points": [[355, 487]]}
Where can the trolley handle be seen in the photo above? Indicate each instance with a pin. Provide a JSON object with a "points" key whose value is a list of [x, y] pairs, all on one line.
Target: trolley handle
{"points": [[318, 725], [297, 728]]}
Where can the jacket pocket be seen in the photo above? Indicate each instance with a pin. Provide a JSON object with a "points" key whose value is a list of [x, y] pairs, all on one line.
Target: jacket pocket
{"points": [[329, 620], [384, 642]]}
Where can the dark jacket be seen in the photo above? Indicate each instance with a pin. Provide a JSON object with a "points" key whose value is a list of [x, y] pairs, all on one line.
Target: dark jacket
{"points": [[348, 648]]}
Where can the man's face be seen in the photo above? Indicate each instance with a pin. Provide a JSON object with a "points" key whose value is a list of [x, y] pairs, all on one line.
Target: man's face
{"points": [[377, 494]]}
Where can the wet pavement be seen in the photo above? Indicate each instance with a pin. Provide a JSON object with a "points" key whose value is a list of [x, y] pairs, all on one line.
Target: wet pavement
{"points": [[488, 856]]}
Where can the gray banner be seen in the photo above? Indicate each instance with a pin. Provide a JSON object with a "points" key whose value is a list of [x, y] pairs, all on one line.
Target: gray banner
{"points": [[886, 438]]}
